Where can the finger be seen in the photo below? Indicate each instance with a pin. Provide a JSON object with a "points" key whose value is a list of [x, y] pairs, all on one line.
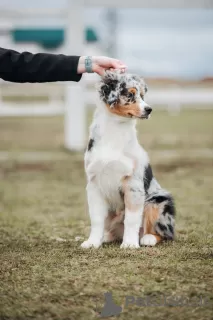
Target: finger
{"points": [[122, 70], [99, 70], [117, 64]]}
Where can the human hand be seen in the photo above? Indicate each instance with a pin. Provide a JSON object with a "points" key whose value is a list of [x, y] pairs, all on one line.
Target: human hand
{"points": [[100, 64]]}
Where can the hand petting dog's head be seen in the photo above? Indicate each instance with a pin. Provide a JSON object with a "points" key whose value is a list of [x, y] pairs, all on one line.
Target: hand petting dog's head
{"points": [[124, 94]]}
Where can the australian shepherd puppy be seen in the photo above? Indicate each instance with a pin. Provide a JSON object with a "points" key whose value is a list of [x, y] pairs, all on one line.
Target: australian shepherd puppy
{"points": [[125, 200]]}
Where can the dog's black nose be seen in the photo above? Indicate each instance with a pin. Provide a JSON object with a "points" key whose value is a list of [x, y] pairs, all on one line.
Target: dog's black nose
{"points": [[148, 110]]}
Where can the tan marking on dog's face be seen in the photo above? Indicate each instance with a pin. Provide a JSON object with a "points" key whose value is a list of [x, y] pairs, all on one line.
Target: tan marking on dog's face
{"points": [[130, 110], [132, 90]]}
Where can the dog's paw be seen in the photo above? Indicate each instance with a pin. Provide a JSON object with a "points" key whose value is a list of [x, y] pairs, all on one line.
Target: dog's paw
{"points": [[148, 240], [127, 245], [90, 244]]}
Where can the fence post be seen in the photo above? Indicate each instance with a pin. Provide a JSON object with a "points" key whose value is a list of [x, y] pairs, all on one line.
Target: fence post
{"points": [[75, 109]]}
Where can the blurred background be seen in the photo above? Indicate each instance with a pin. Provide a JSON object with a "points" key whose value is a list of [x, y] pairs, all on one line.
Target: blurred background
{"points": [[171, 48], [44, 130]]}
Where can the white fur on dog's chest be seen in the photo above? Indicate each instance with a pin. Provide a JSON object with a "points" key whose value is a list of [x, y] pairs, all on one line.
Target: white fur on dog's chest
{"points": [[107, 166], [109, 161]]}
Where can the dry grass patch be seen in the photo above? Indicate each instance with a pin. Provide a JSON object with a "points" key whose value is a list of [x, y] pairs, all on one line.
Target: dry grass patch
{"points": [[44, 274]]}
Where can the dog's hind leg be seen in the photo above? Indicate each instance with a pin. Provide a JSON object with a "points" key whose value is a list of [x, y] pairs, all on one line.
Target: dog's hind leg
{"points": [[150, 216], [114, 227]]}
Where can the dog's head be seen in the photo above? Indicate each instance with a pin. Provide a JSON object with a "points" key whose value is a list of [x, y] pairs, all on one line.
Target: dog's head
{"points": [[124, 94]]}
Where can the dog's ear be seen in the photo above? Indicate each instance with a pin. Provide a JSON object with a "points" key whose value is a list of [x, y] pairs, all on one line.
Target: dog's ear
{"points": [[107, 88], [104, 91]]}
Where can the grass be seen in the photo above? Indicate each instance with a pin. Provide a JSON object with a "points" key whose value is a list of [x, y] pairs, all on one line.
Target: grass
{"points": [[44, 274], [188, 129]]}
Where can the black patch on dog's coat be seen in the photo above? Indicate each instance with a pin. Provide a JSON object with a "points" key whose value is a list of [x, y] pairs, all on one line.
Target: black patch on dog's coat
{"points": [[158, 199], [169, 208], [90, 144], [123, 89], [121, 193], [107, 88], [165, 231], [165, 227], [162, 227], [148, 176], [171, 229]]}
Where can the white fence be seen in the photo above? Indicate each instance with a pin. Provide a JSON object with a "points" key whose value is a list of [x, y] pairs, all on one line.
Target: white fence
{"points": [[75, 95], [58, 100], [54, 95]]}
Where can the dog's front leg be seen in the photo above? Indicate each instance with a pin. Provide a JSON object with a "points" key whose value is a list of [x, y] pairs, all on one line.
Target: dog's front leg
{"points": [[98, 210], [134, 204]]}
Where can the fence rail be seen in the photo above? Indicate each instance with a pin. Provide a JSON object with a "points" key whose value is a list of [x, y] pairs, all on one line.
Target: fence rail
{"points": [[25, 100]]}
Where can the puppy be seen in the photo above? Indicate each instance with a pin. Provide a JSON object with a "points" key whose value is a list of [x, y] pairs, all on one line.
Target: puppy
{"points": [[125, 200]]}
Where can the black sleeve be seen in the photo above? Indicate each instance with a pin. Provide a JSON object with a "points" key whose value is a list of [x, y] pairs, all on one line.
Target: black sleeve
{"points": [[41, 67]]}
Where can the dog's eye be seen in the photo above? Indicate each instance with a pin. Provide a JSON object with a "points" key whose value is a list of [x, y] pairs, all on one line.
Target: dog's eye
{"points": [[142, 97], [130, 95]]}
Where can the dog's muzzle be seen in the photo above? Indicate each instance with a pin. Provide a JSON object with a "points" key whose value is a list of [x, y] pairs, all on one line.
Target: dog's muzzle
{"points": [[146, 113], [148, 110]]}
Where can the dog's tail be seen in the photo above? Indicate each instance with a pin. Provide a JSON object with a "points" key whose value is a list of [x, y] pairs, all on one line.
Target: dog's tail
{"points": [[165, 222]]}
